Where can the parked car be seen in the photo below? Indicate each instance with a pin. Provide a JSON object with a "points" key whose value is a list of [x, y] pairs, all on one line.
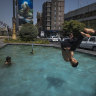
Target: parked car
{"points": [[89, 43], [53, 38], [64, 38]]}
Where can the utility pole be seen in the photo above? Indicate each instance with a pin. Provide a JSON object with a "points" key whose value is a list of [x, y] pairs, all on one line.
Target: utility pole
{"points": [[14, 22], [78, 4], [17, 22]]}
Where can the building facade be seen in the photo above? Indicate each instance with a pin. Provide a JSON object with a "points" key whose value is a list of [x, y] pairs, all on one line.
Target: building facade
{"points": [[85, 14], [53, 17], [46, 16], [39, 22]]}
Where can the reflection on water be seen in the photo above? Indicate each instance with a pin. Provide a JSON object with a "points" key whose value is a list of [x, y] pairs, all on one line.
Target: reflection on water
{"points": [[55, 82]]}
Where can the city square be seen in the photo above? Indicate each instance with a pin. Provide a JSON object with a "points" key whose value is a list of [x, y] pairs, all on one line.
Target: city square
{"points": [[48, 48]]}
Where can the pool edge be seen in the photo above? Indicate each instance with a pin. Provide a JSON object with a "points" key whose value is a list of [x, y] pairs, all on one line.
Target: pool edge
{"points": [[52, 45]]}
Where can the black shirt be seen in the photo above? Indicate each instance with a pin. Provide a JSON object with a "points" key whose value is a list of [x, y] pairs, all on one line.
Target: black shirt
{"points": [[72, 43]]}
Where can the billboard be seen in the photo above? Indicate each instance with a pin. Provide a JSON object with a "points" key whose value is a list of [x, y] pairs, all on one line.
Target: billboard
{"points": [[25, 11]]}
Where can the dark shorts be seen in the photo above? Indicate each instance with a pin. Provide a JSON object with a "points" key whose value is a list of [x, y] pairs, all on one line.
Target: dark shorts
{"points": [[77, 42], [65, 44]]}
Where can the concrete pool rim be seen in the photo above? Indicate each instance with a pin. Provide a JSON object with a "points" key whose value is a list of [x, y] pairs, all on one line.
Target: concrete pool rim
{"points": [[88, 52]]}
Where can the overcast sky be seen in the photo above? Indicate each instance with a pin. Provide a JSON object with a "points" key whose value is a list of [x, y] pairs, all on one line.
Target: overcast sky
{"points": [[6, 8]]}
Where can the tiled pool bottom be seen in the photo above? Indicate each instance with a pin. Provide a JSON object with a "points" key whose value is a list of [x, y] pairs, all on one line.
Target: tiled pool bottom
{"points": [[45, 73]]}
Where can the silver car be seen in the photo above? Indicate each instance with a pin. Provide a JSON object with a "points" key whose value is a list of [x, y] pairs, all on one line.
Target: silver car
{"points": [[53, 38], [89, 43]]}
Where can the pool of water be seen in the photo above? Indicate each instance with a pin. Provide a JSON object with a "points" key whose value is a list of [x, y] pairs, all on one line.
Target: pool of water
{"points": [[45, 73]]}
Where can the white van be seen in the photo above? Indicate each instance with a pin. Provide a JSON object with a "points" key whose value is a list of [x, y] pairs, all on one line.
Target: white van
{"points": [[89, 43]]}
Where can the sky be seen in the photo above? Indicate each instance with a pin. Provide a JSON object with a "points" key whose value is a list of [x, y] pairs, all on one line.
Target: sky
{"points": [[6, 8]]}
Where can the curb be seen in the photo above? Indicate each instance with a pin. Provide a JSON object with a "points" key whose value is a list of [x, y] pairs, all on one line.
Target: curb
{"points": [[52, 45]]}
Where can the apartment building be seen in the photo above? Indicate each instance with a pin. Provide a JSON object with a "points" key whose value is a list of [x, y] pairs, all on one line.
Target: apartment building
{"points": [[52, 17]]}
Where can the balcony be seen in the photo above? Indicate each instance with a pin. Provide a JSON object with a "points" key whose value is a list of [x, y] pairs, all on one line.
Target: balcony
{"points": [[48, 14], [48, 20]]}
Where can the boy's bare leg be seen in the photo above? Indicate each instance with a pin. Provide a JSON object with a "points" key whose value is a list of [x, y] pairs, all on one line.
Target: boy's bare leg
{"points": [[85, 35], [87, 30]]}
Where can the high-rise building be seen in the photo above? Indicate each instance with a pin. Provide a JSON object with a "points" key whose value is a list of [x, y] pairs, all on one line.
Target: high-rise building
{"points": [[53, 16], [39, 22], [46, 16]]}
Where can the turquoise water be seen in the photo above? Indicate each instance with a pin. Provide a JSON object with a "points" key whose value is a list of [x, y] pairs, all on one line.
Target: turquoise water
{"points": [[45, 73]]}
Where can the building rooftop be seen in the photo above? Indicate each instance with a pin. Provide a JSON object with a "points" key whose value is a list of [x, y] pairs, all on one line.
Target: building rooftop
{"points": [[82, 10]]}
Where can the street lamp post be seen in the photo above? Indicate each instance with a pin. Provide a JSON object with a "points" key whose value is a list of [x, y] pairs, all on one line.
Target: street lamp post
{"points": [[14, 22]]}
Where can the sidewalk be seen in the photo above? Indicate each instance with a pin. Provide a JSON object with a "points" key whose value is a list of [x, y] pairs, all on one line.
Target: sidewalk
{"points": [[90, 52], [86, 51]]}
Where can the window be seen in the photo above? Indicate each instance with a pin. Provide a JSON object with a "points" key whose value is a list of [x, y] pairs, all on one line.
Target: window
{"points": [[48, 5], [48, 10], [59, 8], [59, 18], [85, 39], [54, 23], [54, 18], [54, 8], [48, 23], [55, 3], [48, 14], [55, 12], [48, 18], [48, 28], [59, 23], [61, 4], [59, 13], [55, 37], [54, 28], [59, 27], [92, 39]]}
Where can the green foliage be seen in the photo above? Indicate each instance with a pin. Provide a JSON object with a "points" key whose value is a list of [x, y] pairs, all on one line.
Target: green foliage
{"points": [[13, 41], [72, 26], [28, 32], [37, 41]]}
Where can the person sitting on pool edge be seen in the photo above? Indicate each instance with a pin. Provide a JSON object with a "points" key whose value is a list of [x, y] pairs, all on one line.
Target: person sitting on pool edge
{"points": [[69, 45]]}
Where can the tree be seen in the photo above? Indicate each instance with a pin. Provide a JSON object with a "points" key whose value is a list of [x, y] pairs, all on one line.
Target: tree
{"points": [[28, 32], [72, 26]]}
